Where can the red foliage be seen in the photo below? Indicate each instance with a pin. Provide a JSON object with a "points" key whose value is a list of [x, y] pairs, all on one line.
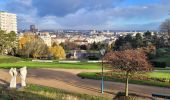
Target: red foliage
{"points": [[128, 60]]}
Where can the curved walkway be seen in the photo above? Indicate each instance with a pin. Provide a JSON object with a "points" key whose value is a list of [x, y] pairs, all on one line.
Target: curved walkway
{"points": [[66, 79]]}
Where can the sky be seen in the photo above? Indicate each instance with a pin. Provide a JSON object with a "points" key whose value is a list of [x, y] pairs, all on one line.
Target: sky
{"points": [[89, 14]]}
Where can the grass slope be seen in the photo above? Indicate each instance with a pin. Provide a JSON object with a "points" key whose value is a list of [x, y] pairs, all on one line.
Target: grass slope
{"points": [[35, 92], [161, 75], [10, 61], [51, 65]]}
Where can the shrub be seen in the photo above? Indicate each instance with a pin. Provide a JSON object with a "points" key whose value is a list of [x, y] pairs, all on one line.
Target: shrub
{"points": [[160, 52], [159, 64], [93, 57], [151, 56]]}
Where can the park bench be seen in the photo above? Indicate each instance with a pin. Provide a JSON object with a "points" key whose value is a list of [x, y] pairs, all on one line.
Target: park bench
{"points": [[163, 96]]}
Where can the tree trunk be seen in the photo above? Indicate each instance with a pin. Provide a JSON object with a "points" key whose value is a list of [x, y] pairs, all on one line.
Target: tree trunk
{"points": [[28, 55], [126, 85]]}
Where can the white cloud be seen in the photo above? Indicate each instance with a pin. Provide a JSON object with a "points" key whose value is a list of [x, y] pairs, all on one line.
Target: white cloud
{"points": [[107, 17]]}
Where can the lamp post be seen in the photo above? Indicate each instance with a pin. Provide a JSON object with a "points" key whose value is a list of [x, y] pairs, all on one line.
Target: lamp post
{"points": [[102, 52]]}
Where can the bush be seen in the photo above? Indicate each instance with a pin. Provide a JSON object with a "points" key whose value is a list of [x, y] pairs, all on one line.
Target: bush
{"points": [[93, 57], [160, 52], [151, 56], [159, 64]]}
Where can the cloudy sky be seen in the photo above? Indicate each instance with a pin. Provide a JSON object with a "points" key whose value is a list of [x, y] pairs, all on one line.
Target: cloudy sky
{"points": [[88, 14]]}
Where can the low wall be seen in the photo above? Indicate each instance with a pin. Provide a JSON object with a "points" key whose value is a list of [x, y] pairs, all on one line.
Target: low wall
{"points": [[42, 60]]}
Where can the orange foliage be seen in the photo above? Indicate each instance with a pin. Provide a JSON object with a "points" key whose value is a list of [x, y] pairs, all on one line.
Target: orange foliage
{"points": [[25, 39], [58, 52]]}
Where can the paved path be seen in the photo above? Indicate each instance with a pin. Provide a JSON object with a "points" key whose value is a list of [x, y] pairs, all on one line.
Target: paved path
{"points": [[66, 79]]}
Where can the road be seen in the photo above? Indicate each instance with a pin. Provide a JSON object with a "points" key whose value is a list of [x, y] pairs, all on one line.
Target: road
{"points": [[67, 79]]}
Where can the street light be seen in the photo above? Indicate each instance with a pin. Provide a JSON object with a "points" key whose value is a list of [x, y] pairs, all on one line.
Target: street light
{"points": [[102, 52]]}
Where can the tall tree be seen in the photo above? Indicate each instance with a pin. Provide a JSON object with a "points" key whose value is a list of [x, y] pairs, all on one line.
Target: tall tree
{"points": [[129, 62], [138, 41], [31, 45], [147, 38], [57, 52], [165, 27], [7, 41], [119, 43], [147, 34]]}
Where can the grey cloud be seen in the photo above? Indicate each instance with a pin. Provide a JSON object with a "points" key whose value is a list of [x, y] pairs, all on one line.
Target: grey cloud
{"points": [[64, 7], [86, 14]]}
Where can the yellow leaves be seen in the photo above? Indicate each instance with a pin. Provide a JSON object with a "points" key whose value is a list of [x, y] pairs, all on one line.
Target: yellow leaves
{"points": [[58, 52], [25, 39], [34, 46]]}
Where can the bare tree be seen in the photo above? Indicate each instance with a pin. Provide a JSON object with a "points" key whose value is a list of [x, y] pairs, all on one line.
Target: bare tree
{"points": [[128, 61], [165, 27]]}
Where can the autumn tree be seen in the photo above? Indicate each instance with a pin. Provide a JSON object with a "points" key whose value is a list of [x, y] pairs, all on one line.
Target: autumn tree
{"points": [[31, 45], [129, 62], [57, 52], [69, 46]]}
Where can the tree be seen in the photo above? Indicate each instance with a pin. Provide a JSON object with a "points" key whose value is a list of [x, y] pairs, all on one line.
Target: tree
{"points": [[94, 46], [147, 34], [40, 49], [54, 44], [57, 52], [69, 46], [12, 44], [128, 61], [138, 41], [147, 38], [31, 45], [123, 43], [7, 41], [119, 43], [83, 47], [165, 27]]}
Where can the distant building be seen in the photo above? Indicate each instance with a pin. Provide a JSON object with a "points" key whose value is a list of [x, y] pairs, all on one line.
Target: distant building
{"points": [[8, 22], [58, 40], [45, 36], [33, 29], [81, 42]]}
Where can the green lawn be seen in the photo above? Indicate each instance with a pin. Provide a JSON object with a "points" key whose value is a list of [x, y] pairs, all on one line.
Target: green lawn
{"points": [[51, 65], [161, 75], [35, 92], [155, 78], [10, 61]]}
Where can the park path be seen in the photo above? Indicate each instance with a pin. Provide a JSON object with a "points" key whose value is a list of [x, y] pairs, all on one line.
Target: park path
{"points": [[66, 79]]}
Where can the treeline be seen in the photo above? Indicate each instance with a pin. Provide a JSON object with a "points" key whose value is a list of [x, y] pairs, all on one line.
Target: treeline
{"points": [[147, 39], [95, 46], [29, 46], [34, 47]]}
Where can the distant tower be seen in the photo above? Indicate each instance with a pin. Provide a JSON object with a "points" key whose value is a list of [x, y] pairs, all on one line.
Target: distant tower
{"points": [[33, 29]]}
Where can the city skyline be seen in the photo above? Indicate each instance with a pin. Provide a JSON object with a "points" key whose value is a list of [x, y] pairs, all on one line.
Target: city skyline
{"points": [[80, 14]]}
